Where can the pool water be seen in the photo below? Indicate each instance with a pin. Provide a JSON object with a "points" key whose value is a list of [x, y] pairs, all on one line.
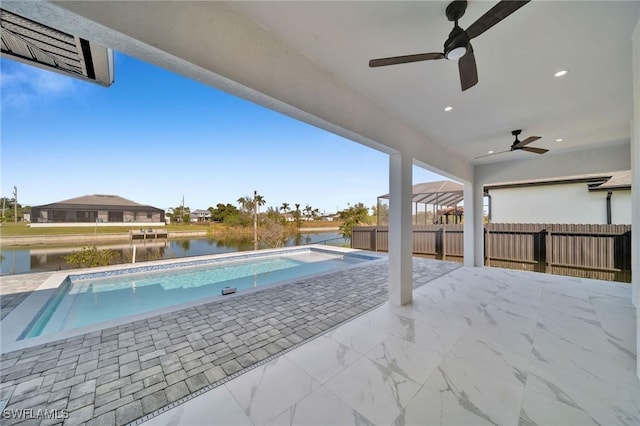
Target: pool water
{"points": [[81, 302]]}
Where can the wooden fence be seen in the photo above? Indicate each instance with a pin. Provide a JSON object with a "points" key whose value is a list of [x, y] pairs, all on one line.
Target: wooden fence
{"points": [[588, 251]]}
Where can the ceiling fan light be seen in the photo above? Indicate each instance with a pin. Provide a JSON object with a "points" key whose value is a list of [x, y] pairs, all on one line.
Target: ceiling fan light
{"points": [[456, 53]]}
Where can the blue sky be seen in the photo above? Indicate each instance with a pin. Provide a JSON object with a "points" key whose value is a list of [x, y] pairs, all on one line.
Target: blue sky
{"points": [[154, 137]]}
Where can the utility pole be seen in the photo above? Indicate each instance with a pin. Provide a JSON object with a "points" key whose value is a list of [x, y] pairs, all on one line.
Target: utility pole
{"points": [[255, 220], [15, 204]]}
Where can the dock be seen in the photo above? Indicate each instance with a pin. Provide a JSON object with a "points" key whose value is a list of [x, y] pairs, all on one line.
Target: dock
{"points": [[148, 234]]}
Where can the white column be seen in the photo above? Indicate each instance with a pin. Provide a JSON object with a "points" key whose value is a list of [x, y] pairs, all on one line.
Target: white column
{"points": [[635, 209], [478, 222], [469, 225], [635, 185], [635, 172], [400, 230]]}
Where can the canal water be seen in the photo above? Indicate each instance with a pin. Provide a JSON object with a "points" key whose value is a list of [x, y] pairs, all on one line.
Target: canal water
{"points": [[18, 260]]}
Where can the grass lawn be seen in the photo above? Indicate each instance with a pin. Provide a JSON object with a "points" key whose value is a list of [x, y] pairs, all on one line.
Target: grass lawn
{"points": [[22, 229], [8, 229]]}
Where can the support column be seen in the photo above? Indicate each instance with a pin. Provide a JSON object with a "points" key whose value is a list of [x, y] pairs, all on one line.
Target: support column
{"points": [[635, 185], [469, 225], [478, 222], [635, 211], [635, 173], [400, 230], [473, 224]]}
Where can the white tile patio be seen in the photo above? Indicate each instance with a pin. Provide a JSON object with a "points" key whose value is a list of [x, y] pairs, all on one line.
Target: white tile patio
{"points": [[477, 346]]}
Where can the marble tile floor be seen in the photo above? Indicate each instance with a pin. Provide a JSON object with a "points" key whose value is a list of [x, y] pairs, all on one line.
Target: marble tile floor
{"points": [[477, 346]]}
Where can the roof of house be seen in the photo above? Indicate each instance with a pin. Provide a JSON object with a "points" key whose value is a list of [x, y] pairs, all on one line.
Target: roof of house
{"points": [[618, 180], [97, 201], [596, 181], [200, 211], [441, 193], [459, 210]]}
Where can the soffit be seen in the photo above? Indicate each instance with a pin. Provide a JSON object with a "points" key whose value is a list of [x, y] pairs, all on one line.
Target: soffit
{"points": [[591, 106]]}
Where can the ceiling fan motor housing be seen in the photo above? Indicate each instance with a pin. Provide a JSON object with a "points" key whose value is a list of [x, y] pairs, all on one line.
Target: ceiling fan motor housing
{"points": [[458, 39], [457, 45], [517, 141], [455, 10]]}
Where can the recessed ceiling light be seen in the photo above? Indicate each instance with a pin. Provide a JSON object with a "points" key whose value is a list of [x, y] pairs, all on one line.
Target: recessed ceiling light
{"points": [[559, 140], [448, 108], [490, 152], [560, 73]]}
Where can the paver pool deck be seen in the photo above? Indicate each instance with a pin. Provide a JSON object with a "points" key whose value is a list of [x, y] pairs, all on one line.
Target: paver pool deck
{"points": [[127, 373]]}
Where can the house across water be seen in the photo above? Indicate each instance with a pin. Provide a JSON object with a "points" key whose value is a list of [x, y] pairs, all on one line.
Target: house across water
{"points": [[97, 209]]}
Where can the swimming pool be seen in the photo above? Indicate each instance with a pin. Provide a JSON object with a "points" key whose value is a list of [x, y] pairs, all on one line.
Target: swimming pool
{"points": [[86, 299]]}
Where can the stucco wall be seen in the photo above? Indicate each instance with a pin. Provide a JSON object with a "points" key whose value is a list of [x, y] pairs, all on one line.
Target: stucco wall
{"points": [[621, 208], [566, 203]]}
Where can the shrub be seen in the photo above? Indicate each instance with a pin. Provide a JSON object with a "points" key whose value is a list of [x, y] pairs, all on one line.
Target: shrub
{"points": [[89, 257]]}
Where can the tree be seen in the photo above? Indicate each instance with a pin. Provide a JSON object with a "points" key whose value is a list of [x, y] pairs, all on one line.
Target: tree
{"points": [[380, 214], [174, 214], [225, 213], [273, 213], [9, 209], [297, 214], [179, 214], [285, 207], [353, 216], [273, 234], [246, 203], [308, 212], [258, 200]]}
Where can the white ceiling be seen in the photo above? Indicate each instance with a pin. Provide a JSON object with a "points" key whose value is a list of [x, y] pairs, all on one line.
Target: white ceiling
{"points": [[591, 106]]}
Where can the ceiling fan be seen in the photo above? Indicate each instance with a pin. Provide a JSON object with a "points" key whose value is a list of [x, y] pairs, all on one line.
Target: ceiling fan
{"points": [[458, 45], [518, 144]]}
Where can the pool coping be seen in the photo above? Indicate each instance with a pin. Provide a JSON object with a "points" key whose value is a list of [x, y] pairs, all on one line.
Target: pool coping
{"points": [[19, 320]]}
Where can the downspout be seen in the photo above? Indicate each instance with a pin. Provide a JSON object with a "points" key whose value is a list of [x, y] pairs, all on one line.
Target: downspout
{"points": [[609, 194]]}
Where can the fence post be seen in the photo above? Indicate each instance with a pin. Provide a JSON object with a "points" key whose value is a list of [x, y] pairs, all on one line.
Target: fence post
{"points": [[375, 239], [444, 242], [542, 250], [548, 256], [487, 237]]}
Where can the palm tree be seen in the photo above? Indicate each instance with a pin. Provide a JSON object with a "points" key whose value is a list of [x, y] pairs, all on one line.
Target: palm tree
{"points": [[246, 203], [285, 207], [296, 215], [308, 211], [258, 200]]}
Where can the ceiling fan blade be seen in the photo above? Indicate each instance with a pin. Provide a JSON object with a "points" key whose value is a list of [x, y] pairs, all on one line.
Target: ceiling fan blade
{"points": [[536, 150], [468, 70], [496, 14], [493, 153], [527, 141], [405, 59]]}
